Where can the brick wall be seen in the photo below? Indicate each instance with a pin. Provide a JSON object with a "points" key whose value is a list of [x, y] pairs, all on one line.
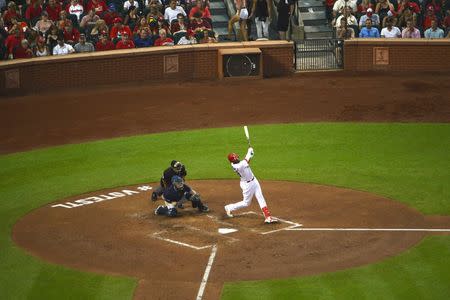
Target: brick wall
{"points": [[122, 66], [397, 55]]}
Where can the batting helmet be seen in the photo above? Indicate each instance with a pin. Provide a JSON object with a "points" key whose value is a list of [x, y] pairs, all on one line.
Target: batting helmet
{"points": [[233, 157]]}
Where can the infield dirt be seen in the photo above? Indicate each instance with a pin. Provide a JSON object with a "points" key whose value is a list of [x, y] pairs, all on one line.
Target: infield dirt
{"points": [[123, 236]]}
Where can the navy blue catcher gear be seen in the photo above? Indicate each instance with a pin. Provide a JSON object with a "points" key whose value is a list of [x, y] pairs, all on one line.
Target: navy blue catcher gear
{"points": [[177, 182]]}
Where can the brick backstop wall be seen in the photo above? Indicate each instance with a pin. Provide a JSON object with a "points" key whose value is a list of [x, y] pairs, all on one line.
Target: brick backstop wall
{"points": [[176, 63], [397, 55]]}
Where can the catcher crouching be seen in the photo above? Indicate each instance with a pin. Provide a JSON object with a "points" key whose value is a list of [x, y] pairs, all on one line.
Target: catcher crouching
{"points": [[178, 193]]}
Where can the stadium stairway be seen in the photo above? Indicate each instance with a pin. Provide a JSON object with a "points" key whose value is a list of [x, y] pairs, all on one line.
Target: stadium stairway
{"points": [[312, 14], [219, 17]]}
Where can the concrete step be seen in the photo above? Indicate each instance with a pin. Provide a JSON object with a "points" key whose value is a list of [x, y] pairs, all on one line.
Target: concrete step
{"points": [[315, 22], [319, 35], [313, 16], [311, 3], [218, 11], [311, 9], [219, 18], [221, 30], [216, 5]]}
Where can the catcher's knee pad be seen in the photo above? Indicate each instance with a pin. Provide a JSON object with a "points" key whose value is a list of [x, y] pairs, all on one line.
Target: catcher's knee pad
{"points": [[172, 212], [195, 199]]}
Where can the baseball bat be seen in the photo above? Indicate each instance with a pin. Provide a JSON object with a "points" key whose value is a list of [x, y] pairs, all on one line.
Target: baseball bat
{"points": [[247, 135]]}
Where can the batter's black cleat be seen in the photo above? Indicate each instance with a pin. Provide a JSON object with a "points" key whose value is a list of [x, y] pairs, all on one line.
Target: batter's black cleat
{"points": [[154, 196]]}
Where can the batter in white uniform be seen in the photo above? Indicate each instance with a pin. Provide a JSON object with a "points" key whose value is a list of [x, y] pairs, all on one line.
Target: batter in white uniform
{"points": [[249, 185]]}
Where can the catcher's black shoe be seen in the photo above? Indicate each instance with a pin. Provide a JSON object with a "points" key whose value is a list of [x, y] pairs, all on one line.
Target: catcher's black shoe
{"points": [[154, 196], [203, 208]]}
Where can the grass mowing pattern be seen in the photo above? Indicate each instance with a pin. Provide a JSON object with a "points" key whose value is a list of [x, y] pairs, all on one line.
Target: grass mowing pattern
{"points": [[407, 162]]}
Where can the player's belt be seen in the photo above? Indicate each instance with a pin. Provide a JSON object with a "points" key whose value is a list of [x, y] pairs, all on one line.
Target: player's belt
{"points": [[251, 180]]}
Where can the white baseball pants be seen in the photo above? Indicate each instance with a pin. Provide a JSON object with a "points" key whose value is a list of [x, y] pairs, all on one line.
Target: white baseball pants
{"points": [[249, 189]]}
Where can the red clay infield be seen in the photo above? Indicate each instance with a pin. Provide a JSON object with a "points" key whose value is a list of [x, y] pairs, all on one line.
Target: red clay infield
{"points": [[122, 236]]}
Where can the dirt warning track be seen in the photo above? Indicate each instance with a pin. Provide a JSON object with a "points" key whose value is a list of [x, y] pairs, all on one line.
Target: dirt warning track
{"points": [[116, 232]]}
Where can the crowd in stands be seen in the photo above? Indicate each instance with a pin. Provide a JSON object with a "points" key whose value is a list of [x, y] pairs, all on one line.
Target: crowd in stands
{"points": [[390, 18], [30, 28]]}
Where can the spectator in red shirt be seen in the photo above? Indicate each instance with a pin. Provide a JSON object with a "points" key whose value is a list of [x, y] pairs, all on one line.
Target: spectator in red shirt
{"points": [[34, 11], [98, 5], [198, 24], [163, 40], [10, 13], [204, 10], [429, 17], [104, 44], [13, 40], [125, 42], [23, 50], [412, 6], [71, 35], [180, 25], [53, 9], [118, 30]]}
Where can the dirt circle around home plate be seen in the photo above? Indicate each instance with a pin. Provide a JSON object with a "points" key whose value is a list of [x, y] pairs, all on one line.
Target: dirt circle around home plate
{"points": [[115, 231]]}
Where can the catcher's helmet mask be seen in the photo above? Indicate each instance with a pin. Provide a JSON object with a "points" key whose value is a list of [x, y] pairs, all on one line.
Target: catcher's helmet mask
{"points": [[177, 182], [176, 165]]}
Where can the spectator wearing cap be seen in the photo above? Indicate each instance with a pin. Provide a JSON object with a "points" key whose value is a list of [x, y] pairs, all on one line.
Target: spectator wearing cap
{"points": [[369, 31], [363, 7], [410, 32], [98, 5], [408, 4], [390, 31], [44, 24], [62, 48], [71, 34], [53, 9], [434, 32], [82, 46], [429, 17], [118, 30], [23, 50], [75, 8], [104, 44], [163, 40], [128, 3], [369, 15], [89, 20], [172, 11], [143, 39], [125, 42]]}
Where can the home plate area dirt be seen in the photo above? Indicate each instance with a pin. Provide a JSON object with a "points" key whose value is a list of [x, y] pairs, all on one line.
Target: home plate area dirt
{"points": [[115, 231]]}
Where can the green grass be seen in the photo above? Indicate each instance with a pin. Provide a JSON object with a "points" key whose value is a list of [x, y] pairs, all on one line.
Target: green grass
{"points": [[406, 162]]}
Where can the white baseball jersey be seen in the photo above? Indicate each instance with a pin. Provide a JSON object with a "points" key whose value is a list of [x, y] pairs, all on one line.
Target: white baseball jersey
{"points": [[244, 171]]}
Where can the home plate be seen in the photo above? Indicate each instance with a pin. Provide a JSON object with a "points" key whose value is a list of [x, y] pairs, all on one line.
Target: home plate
{"points": [[227, 230]]}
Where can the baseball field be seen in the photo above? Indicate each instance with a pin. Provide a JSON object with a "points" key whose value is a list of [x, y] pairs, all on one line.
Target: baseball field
{"points": [[356, 171]]}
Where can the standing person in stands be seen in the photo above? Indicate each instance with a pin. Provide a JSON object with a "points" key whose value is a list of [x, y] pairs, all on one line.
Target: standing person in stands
{"points": [[53, 9], [241, 16], [172, 11], [285, 10], [262, 10]]}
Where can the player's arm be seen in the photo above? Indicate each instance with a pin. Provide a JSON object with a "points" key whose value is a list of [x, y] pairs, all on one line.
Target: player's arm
{"points": [[249, 154]]}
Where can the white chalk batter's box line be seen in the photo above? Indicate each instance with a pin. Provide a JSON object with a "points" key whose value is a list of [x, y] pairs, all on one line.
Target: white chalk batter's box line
{"points": [[292, 225], [157, 235]]}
